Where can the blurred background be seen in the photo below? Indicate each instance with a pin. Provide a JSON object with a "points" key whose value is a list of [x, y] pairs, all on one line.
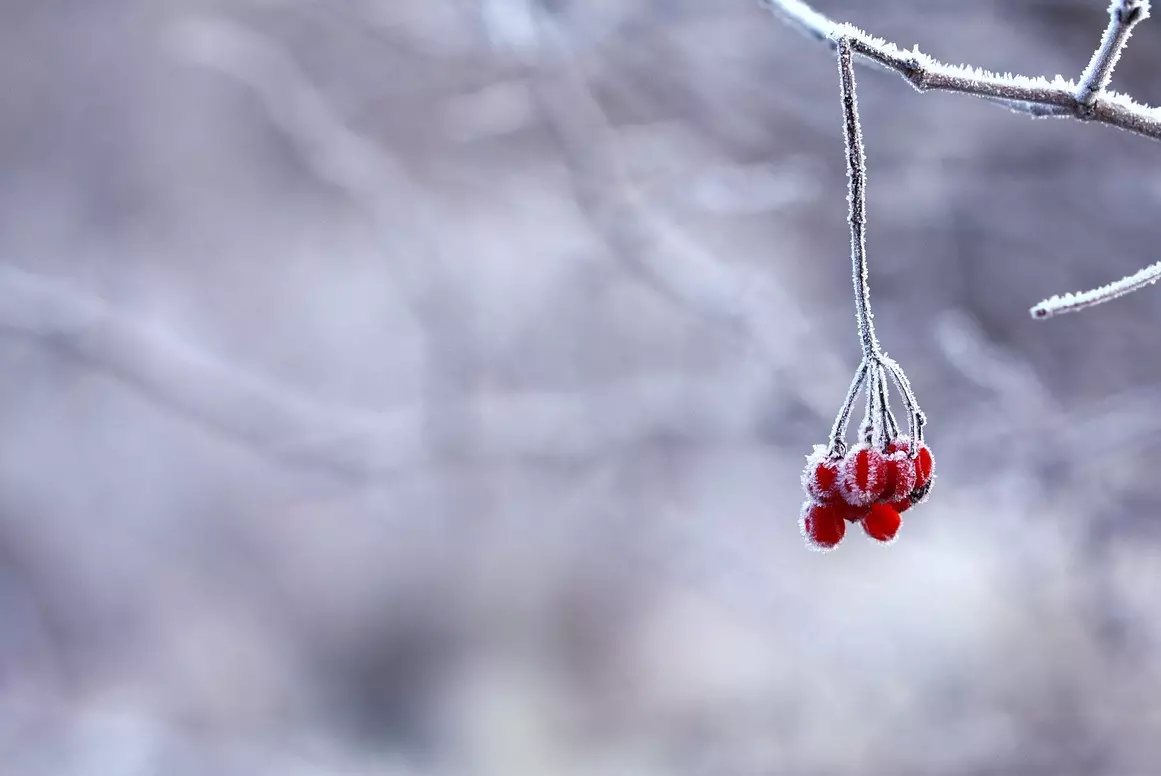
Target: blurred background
{"points": [[420, 387]]}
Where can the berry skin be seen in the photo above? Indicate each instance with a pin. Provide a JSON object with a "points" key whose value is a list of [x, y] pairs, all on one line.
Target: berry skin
{"points": [[820, 477], [864, 476], [901, 477], [924, 466], [822, 525], [850, 513], [882, 523], [903, 504]]}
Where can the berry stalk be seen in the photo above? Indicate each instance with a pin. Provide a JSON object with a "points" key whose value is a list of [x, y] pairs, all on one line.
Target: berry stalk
{"points": [[857, 195]]}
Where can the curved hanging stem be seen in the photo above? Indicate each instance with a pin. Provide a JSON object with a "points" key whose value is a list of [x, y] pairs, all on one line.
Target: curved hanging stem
{"points": [[889, 428], [842, 421], [916, 418], [857, 180]]}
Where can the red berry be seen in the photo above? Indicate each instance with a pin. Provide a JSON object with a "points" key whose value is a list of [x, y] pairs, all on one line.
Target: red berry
{"points": [[851, 513], [882, 523], [820, 477], [900, 444], [863, 476], [822, 525], [924, 466], [902, 505], [900, 479]]}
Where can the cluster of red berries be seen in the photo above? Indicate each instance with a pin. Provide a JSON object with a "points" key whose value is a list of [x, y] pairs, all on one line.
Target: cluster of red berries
{"points": [[867, 484]]}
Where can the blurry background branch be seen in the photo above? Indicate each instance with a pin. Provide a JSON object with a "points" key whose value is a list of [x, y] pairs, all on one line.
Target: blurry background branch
{"points": [[400, 212], [653, 247], [361, 445]]}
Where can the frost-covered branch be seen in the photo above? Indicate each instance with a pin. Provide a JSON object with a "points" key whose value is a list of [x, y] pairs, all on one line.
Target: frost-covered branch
{"points": [[1123, 17], [1070, 303], [1086, 100], [1034, 95]]}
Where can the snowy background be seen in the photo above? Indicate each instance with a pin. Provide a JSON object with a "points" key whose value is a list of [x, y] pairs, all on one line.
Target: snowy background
{"points": [[416, 388]]}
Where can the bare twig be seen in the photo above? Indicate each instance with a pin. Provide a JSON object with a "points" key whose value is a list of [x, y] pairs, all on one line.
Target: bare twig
{"points": [[359, 445], [1087, 100], [1070, 303]]}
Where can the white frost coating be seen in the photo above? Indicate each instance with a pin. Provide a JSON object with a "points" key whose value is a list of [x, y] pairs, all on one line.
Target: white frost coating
{"points": [[1123, 16], [810, 483], [1069, 303], [811, 544], [859, 494]]}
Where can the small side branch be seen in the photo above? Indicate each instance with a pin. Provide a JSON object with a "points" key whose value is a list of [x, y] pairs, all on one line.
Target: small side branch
{"points": [[1070, 303], [1123, 17]]}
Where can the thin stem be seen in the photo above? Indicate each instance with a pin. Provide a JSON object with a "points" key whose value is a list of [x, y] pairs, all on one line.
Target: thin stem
{"points": [[866, 433], [1123, 16], [889, 427], [857, 176], [839, 430], [915, 414]]}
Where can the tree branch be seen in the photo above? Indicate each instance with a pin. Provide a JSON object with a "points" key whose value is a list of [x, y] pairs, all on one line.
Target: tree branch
{"points": [[1087, 100], [1123, 17], [1037, 96]]}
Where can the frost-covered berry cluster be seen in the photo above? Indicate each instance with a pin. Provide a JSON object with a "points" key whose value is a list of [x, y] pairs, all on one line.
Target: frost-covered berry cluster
{"points": [[890, 469], [867, 484], [876, 480]]}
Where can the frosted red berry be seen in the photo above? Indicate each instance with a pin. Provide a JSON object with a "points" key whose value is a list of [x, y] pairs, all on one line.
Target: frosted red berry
{"points": [[900, 476], [864, 475], [902, 505], [822, 525], [882, 523], [924, 466], [876, 481], [821, 475], [852, 513]]}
